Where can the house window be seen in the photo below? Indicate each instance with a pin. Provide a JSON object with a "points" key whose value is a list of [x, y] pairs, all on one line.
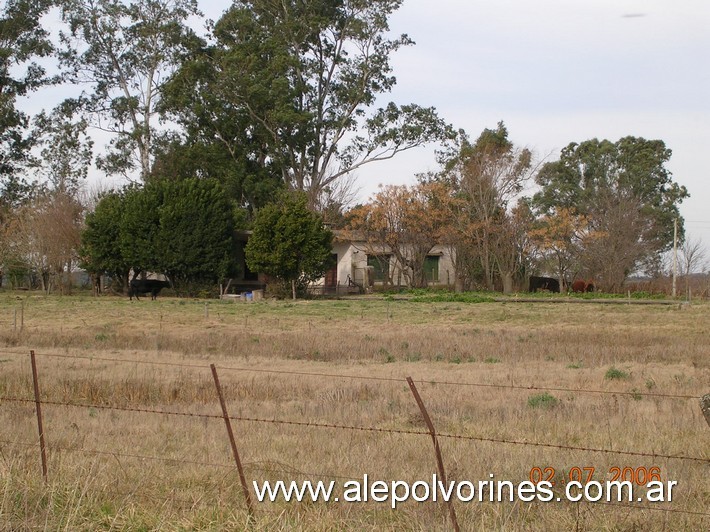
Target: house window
{"points": [[431, 268], [381, 265]]}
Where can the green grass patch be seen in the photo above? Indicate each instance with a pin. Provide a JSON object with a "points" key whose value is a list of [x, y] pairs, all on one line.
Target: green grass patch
{"points": [[422, 295], [615, 374], [542, 400]]}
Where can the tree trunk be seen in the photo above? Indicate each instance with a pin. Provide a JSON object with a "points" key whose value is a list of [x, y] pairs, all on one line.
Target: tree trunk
{"points": [[293, 288], [507, 282], [458, 284]]}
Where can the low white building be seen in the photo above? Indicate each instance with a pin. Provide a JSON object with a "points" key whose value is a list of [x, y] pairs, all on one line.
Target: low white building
{"points": [[361, 265]]}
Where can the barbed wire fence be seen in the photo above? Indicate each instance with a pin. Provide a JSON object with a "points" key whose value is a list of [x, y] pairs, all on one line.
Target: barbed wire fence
{"points": [[431, 432]]}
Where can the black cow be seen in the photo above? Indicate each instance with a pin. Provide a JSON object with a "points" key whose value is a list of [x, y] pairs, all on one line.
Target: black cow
{"points": [[145, 286], [544, 283]]}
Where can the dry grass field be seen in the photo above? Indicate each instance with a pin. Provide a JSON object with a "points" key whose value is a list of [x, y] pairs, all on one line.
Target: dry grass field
{"points": [[113, 465]]}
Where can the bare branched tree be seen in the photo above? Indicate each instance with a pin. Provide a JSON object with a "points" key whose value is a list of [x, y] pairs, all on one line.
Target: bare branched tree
{"points": [[693, 254], [44, 235]]}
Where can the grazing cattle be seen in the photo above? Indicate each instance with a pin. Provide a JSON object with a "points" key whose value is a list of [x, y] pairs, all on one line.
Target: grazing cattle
{"points": [[579, 286], [145, 286], [544, 283], [583, 286]]}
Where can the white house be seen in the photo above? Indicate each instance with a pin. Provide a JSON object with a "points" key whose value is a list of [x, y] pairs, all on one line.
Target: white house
{"points": [[361, 265]]}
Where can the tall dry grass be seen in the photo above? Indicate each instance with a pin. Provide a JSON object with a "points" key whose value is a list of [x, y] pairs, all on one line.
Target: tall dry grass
{"points": [[113, 469]]}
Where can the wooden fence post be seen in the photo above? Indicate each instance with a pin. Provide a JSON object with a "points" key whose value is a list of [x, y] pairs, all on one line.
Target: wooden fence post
{"points": [[437, 449], [233, 442], [705, 406], [38, 407]]}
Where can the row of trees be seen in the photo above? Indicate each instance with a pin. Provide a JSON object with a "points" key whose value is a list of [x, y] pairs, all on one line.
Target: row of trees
{"points": [[284, 96], [603, 211], [186, 230], [274, 96]]}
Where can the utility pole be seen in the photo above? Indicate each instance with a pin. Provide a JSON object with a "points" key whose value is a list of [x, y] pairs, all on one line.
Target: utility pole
{"points": [[675, 255]]}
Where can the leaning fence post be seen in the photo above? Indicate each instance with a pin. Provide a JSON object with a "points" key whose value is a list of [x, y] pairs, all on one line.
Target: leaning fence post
{"points": [[705, 406], [437, 449], [233, 442], [38, 405]]}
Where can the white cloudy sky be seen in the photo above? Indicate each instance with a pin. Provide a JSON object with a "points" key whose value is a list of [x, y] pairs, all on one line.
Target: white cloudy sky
{"points": [[558, 71]]}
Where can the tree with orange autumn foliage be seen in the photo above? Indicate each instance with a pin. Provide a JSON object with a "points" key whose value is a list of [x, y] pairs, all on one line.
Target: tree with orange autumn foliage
{"points": [[408, 221], [485, 178], [558, 239]]}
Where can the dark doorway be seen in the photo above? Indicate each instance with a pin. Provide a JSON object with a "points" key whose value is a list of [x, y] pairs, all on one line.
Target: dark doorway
{"points": [[331, 276]]}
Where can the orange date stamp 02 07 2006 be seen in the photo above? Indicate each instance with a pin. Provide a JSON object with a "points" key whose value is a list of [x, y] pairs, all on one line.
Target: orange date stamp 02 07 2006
{"points": [[579, 483], [640, 476]]}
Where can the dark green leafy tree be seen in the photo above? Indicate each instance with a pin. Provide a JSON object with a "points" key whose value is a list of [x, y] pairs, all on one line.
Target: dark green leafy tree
{"points": [[196, 237], [22, 40], [140, 227], [100, 241], [184, 229], [245, 181], [289, 242], [626, 196], [291, 87], [124, 51]]}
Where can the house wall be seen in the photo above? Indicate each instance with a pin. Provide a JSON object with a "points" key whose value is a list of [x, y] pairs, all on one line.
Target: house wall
{"points": [[352, 263], [349, 263], [446, 266]]}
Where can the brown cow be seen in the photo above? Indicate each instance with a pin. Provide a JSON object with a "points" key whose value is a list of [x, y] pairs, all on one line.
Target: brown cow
{"points": [[579, 286], [583, 286]]}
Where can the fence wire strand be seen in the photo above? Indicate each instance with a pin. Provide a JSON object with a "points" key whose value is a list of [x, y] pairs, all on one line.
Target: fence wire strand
{"points": [[369, 429], [524, 387], [112, 407], [255, 466], [259, 466]]}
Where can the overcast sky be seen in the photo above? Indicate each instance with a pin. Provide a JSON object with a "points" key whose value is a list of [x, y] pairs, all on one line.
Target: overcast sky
{"points": [[558, 71]]}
